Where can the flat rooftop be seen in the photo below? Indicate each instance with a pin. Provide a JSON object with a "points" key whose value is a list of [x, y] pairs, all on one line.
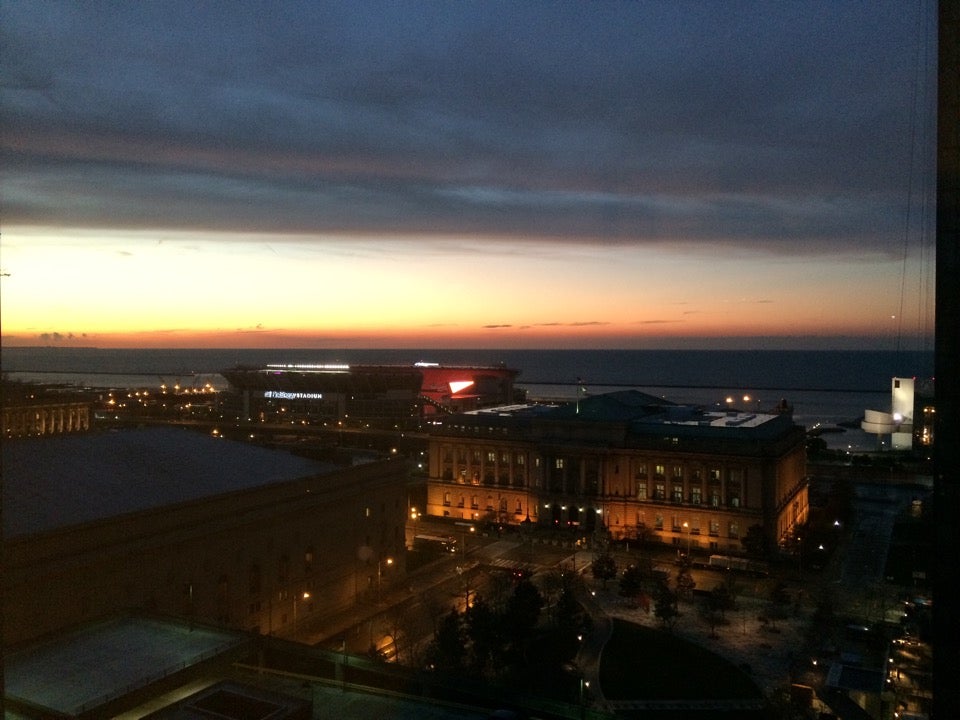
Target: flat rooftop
{"points": [[93, 665], [51, 483], [644, 413], [82, 670]]}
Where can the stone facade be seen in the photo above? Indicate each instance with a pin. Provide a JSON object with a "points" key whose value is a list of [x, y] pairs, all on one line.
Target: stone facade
{"points": [[30, 417], [700, 481]]}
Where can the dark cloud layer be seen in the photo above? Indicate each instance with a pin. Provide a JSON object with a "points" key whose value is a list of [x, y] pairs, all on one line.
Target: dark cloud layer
{"points": [[743, 122]]}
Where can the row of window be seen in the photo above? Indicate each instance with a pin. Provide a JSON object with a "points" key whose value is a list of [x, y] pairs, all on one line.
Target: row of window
{"points": [[255, 573], [695, 496], [692, 526], [310, 563], [492, 456], [475, 503], [677, 524], [695, 474], [661, 471]]}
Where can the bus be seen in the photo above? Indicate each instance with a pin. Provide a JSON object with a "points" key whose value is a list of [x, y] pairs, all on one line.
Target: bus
{"points": [[441, 543]]}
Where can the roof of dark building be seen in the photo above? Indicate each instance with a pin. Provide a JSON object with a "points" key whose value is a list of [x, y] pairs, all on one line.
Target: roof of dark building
{"points": [[622, 405], [133, 662], [93, 665], [642, 413], [55, 482]]}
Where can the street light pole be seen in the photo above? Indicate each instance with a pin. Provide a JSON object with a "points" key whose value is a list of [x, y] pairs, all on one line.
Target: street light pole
{"points": [[380, 562], [414, 517], [464, 532], [304, 596], [800, 558]]}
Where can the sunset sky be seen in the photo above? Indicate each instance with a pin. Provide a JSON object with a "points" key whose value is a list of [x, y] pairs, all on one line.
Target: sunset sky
{"points": [[467, 174]]}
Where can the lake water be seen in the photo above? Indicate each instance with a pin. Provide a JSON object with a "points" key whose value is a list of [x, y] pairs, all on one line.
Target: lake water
{"points": [[825, 387]]}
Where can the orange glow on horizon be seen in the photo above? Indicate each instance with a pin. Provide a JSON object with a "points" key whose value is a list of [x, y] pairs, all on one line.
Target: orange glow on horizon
{"points": [[384, 338], [125, 289]]}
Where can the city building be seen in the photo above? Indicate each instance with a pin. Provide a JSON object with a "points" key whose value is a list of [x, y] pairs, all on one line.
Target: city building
{"points": [[627, 462], [356, 395], [161, 668], [27, 409], [909, 424], [173, 521]]}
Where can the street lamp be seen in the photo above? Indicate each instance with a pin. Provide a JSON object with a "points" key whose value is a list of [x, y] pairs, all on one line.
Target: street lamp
{"points": [[303, 596], [800, 558], [686, 526], [388, 561], [472, 530], [414, 517]]}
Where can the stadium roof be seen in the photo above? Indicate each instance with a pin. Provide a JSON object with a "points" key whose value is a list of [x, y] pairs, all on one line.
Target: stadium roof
{"points": [[55, 482]]}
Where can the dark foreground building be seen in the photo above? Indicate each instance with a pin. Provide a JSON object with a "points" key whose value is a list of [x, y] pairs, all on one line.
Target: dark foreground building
{"points": [[172, 521], [141, 666]]}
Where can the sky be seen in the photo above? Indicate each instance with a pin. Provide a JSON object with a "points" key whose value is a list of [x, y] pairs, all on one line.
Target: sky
{"points": [[467, 174]]}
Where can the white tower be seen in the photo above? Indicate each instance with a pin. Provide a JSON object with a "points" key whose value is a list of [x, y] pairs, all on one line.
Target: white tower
{"points": [[898, 423]]}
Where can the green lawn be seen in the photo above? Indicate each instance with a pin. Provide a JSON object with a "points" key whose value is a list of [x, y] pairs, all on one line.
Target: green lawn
{"points": [[642, 663]]}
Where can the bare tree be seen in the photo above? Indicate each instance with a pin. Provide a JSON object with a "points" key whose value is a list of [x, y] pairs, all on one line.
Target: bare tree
{"points": [[604, 568]]}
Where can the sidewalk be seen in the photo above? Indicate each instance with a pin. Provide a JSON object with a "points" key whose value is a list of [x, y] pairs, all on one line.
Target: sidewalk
{"points": [[325, 628], [588, 657]]}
